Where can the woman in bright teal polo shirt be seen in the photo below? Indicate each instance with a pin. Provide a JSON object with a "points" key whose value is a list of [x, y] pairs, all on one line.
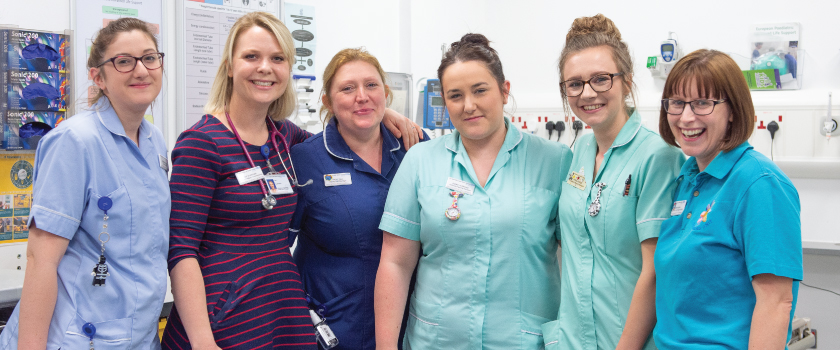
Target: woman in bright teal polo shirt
{"points": [[481, 204], [730, 257], [613, 200]]}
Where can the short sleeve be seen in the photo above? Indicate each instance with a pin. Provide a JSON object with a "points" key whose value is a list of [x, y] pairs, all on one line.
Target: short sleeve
{"points": [[768, 228], [61, 181], [658, 185], [402, 208], [196, 168]]}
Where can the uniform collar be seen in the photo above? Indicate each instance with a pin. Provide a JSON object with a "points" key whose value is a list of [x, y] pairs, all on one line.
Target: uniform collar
{"points": [[720, 166], [108, 117], [512, 138], [337, 147], [628, 131]]}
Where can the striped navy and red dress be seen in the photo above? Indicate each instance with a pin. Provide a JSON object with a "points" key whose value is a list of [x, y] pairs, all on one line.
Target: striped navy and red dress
{"points": [[255, 299]]}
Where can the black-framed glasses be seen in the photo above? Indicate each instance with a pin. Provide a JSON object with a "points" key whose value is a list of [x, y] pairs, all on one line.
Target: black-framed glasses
{"points": [[125, 63], [598, 83], [699, 107]]}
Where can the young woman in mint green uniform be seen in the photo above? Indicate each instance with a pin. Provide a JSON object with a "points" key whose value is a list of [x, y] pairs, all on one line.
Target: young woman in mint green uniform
{"points": [[612, 202], [481, 204]]}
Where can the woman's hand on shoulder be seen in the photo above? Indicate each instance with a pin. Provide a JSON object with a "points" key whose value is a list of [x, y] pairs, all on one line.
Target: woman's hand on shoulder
{"points": [[402, 127]]}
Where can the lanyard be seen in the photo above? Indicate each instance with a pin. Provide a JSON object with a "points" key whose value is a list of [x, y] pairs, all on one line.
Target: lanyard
{"points": [[268, 200]]}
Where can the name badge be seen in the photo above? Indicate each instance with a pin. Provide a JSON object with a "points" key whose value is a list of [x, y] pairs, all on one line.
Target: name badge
{"points": [[577, 179], [164, 163], [339, 179], [678, 208], [249, 175], [460, 186], [278, 184]]}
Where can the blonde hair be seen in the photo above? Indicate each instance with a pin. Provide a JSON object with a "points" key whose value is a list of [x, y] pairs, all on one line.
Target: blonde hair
{"points": [[103, 40], [341, 58], [598, 30], [222, 89]]}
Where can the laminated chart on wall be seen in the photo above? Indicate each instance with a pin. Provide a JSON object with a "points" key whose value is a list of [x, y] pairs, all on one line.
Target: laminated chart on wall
{"points": [[206, 24], [300, 19], [16, 174], [93, 15]]}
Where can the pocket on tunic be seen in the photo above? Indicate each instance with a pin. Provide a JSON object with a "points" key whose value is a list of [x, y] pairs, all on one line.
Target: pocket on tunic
{"points": [[551, 335], [423, 325], [112, 334], [531, 333]]}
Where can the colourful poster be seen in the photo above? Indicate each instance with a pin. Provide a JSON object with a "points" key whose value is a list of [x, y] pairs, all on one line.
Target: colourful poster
{"points": [[16, 172]]}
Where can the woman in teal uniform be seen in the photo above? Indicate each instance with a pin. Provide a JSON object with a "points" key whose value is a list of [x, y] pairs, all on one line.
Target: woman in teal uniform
{"points": [[730, 256], [481, 203], [613, 200]]}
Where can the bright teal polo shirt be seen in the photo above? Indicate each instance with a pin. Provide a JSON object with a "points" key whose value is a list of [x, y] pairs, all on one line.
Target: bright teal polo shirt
{"points": [[741, 219], [602, 257], [489, 279]]}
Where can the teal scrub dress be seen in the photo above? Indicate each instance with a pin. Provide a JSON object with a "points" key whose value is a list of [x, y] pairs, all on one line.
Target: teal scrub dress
{"points": [[602, 257], [489, 279]]}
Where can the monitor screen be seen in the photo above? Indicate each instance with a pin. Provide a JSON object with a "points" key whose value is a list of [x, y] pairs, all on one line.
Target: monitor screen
{"points": [[437, 101]]}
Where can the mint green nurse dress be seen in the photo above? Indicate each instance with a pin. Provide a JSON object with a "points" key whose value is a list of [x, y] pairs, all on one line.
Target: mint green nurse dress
{"points": [[490, 279], [601, 254]]}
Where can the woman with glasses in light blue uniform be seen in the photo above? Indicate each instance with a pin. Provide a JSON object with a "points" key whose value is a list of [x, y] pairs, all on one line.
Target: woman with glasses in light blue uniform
{"points": [[99, 224], [613, 200], [481, 203]]}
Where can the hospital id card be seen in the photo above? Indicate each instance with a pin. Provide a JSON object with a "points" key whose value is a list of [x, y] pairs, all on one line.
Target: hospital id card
{"points": [[278, 184]]}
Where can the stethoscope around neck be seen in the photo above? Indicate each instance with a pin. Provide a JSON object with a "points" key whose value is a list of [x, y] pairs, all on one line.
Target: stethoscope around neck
{"points": [[268, 201]]}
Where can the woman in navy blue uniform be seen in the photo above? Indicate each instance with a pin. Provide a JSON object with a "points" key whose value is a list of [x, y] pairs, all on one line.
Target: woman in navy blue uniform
{"points": [[352, 164]]}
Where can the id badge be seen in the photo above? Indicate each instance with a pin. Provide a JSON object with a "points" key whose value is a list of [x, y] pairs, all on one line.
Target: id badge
{"points": [[278, 184]]}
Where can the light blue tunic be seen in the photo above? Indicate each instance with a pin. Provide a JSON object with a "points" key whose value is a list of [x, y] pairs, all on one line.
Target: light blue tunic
{"points": [[741, 219], [83, 159], [489, 279], [602, 256]]}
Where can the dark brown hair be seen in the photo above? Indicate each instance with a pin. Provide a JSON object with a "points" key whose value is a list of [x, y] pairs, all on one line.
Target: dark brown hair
{"points": [[474, 47], [716, 76], [598, 30], [104, 39]]}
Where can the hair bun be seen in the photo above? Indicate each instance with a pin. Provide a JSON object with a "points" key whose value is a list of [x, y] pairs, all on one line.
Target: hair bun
{"points": [[595, 24], [472, 39]]}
